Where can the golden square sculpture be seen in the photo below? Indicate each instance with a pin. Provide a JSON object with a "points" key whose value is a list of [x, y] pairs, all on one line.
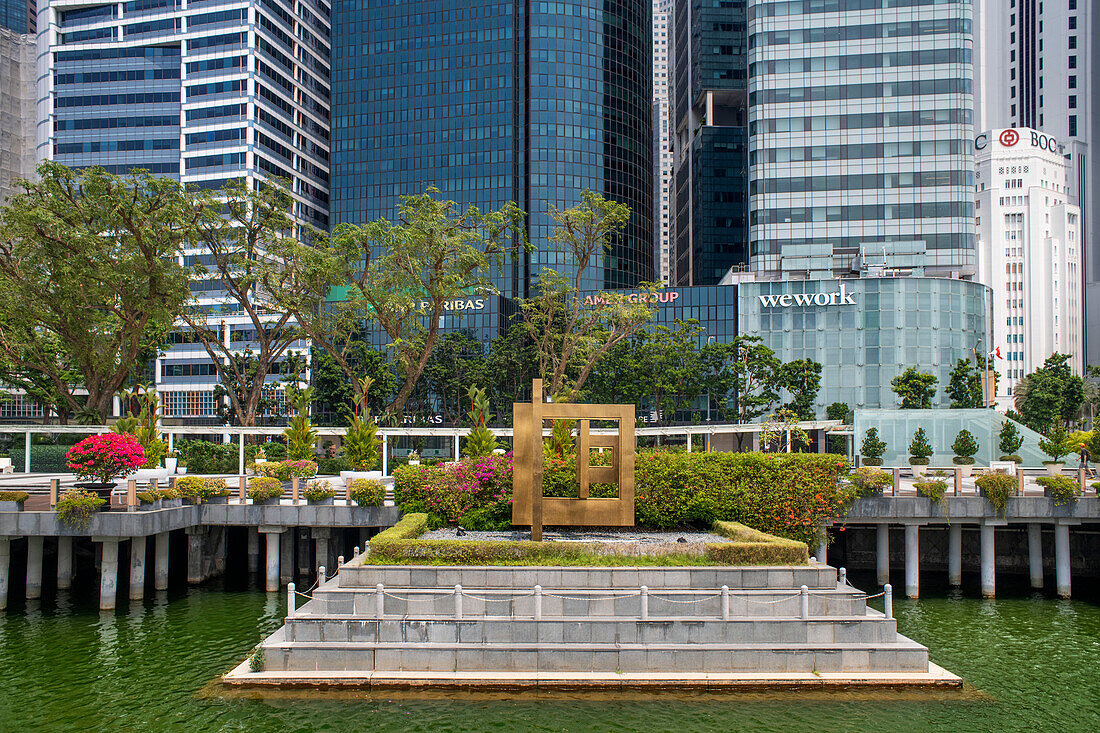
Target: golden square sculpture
{"points": [[530, 507]]}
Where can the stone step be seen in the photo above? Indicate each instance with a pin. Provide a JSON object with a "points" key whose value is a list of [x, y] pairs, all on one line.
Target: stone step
{"points": [[900, 656], [354, 575], [583, 602], [865, 629]]}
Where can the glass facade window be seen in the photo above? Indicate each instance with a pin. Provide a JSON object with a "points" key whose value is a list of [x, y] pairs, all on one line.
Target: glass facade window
{"points": [[493, 102]]}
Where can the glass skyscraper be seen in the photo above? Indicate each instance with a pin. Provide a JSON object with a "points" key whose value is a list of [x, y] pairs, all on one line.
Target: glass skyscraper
{"points": [[710, 219], [492, 102], [861, 136], [18, 15]]}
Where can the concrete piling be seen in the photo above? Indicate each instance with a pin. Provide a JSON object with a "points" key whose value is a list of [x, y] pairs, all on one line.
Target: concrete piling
{"points": [[1062, 561], [137, 568], [160, 570], [34, 567], [1035, 554], [108, 573], [5, 556], [954, 555], [271, 576], [64, 563], [988, 562], [882, 537], [912, 560]]}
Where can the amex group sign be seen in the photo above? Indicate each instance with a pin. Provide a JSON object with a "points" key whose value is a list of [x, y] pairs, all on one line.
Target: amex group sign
{"points": [[786, 300]]}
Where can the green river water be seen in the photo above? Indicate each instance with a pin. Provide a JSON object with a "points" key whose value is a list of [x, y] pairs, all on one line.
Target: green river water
{"points": [[1031, 664]]}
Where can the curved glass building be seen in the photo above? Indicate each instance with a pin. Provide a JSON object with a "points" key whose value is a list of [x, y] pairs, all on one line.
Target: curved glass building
{"points": [[492, 101]]}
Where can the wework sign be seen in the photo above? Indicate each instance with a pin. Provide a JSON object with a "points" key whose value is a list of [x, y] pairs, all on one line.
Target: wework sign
{"points": [[786, 300]]}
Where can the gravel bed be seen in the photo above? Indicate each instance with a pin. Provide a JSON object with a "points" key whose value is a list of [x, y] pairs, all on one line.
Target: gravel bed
{"points": [[591, 535]]}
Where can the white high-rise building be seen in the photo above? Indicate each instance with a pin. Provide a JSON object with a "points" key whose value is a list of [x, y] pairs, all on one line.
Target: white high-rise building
{"points": [[17, 96], [1029, 252], [1035, 63], [662, 155]]}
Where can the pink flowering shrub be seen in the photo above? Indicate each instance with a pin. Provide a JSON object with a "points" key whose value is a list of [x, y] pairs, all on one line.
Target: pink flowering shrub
{"points": [[475, 493], [103, 458]]}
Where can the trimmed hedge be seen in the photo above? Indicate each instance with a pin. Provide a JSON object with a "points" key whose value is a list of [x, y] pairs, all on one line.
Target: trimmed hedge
{"points": [[263, 488], [367, 492], [17, 496], [400, 544], [318, 490], [787, 494], [1062, 489], [44, 458]]}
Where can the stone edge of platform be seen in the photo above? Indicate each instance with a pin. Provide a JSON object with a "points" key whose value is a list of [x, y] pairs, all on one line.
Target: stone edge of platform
{"points": [[936, 677]]}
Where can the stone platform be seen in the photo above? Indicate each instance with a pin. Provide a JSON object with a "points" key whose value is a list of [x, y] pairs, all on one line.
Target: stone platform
{"points": [[502, 627]]}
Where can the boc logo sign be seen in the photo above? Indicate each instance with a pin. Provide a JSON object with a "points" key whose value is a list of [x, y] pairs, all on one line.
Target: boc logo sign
{"points": [[1009, 138]]}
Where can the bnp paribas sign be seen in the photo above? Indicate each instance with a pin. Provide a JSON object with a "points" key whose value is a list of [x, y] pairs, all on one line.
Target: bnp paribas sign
{"points": [[786, 300]]}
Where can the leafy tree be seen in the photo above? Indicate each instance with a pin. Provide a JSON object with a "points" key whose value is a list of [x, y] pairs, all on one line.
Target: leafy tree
{"points": [[238, 227], [802, 379], [1010, 439], [964, 385], [916, 389], [872, 448], [571, 334], [403, 276], [455, 366], [781, 430], [919, 448], [964, 447], [510, 366], [90, 280], [246, 367], [362, 446], [1050, 393], [838, 411]]}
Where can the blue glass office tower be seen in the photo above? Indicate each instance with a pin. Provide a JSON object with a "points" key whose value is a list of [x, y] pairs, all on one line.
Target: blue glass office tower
{"points": [[18, 15], [492, 101]]}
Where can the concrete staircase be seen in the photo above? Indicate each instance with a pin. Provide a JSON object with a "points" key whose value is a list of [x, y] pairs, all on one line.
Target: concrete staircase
{"points": [[527, 626]]}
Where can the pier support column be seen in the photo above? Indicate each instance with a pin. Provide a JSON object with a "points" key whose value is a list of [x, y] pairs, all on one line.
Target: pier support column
{"points": [[286, 558], [34, 567], [64, 563], [1035, 553], [5, 555], [912, 560], [989, 561], [954, 555], [108, 573], [320, 540], [1062, 560], [137, 568], [194, 555], [882, 534], [160, 571], [271, 576], [253, 550]]}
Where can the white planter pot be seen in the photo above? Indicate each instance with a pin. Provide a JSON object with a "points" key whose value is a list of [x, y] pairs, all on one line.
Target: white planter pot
{"points": [[1054, 469], [170, 464], [345, 475], [181, 469], [918, 470], [146, 475], [414, 463]]}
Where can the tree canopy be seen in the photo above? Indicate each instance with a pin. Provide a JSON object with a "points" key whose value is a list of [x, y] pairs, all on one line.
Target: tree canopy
{"points": [[916, 389]]}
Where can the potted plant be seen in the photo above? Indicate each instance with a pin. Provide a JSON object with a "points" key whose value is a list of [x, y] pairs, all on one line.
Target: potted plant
{"points": [[319, 492], [300, 436], [1062, 489], [872, 448], [996, 488], [265, 490], [260, 456], [1009, 441], [920, 450], [414, 458], [362, 447], [170, 461], [181, 465], [12, 501], [869, 480], [935, 489], [964, 447], [147, 501], [100, 459], [170, 498], [191, 488], [215, 491], [1055, 445], [77, 507]]}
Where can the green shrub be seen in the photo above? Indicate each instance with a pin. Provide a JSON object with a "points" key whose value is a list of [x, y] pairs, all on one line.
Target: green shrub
{"points": [[168, 493], [997, 487], [274, 451], [318, 490], [262, 488], [872, 448], [935, 490], [1055, 444], [1009, 439], [191, 487], [964, 447], [146, 497], [256, 660], [367, 492], [401, 543], [17, 496], [475, 493], [870, 481], [44, 458], [1012, 457], [77, 508], [362, 447], [333, 466], [1062, 489]]}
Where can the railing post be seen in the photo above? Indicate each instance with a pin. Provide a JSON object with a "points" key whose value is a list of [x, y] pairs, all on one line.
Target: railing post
{"points": [[958, 480], [347, 491], [897, 480], [843, 577], [379, 600], [1081, 480], [243, 488], [131, 494], [290, 600], [458, 602], [888, 600], [538, 603], [322, 576], [355, 551], [645, 603], [725, 603], [55, 486], [804, 597], [1020, 481], [27, 454], [294, 489], [339, 561]]}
